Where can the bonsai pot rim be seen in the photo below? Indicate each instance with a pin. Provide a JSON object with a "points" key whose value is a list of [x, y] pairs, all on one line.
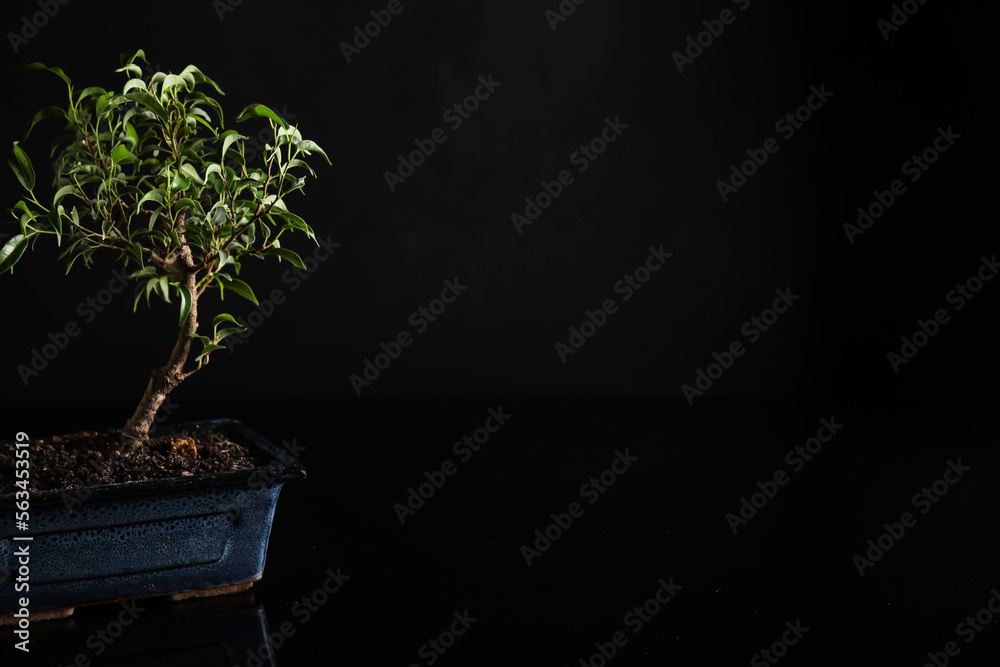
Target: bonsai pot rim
{"points": [[280, 467]]}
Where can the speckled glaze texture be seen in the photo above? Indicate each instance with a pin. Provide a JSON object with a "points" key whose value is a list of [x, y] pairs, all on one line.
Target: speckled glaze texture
{"points": [[148, 538]]}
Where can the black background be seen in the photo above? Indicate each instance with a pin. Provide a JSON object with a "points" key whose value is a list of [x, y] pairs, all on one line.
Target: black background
{"points": [[495, 345]]}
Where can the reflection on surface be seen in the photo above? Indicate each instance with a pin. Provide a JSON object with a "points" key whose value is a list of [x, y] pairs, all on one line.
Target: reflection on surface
{"points": [[211, 632]]}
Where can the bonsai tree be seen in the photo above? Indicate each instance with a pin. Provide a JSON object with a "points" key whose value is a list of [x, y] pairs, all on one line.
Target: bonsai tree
{"points": [[151, 175]]}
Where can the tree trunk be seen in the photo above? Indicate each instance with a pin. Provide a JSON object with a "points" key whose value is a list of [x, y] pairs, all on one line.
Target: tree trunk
{"points": [[165, 379]]}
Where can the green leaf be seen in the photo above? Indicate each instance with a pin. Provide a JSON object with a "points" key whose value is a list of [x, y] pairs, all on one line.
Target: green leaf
{"points": [[134, 70], [223, 317], [259, 110], [243, 290], [207, 350], [56, 222], [300, 163], [145, 272], [47, 112], [148, 101], [201, 120], [102, 103], [12, 251], [150, 284], [162, 287], [90, 91], [21, 164], [126, 59], [187, 201], [199, 77], [201, 98], [156, 195], [192, 173], [55, 70], [135, 252], [186, 302], [120, 155], [21, 205], [66, 190], [107, 227], [179, 183], [74, 242], [132, 134], [134, 83], [295, 222], [213, 169], [205, 340], [220, 214], [229, 138], [229, 331], [288, 136], [171, 81], [290, 255], [79, 250], [138, 295], [312, 146]]}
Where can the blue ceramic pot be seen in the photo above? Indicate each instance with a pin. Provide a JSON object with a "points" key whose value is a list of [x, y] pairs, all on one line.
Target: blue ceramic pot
{"points": [[151, 538]]}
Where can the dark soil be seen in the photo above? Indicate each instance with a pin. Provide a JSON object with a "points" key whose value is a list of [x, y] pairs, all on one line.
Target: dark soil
{"points": [[92, 459]]}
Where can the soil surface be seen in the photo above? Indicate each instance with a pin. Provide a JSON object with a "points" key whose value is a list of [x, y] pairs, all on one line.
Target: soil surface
{"points": [[94, 458]]}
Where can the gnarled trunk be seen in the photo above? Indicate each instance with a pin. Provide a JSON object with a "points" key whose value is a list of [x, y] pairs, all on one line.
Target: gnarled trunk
{"points": [[165, 379]]}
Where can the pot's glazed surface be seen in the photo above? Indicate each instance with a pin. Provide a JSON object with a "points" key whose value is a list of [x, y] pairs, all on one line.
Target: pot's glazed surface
{"points": [[148, 538]]}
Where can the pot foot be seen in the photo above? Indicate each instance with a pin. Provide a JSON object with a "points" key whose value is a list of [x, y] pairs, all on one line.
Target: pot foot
{"points": [[211, 592], [41, 615], [66, 612]]}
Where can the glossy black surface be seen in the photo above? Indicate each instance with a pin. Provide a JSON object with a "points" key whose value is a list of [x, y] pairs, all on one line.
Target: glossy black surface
{"points": [[895, 91], [664, 518]]}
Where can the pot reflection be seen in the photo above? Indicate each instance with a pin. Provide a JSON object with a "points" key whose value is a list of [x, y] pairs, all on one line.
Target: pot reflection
{"points": [[210, 632]]}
